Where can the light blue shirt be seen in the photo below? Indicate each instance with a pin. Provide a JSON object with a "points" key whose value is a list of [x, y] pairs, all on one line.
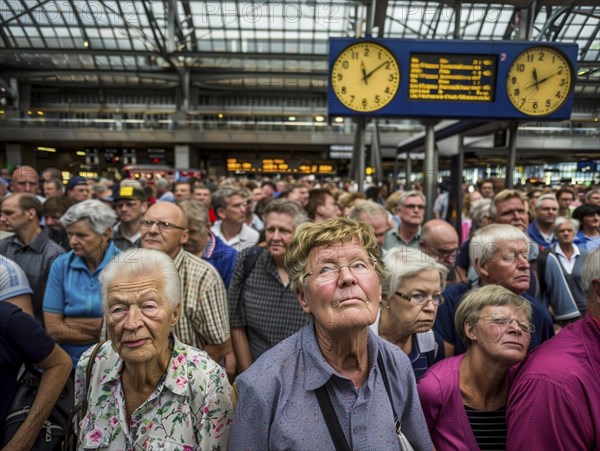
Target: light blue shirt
{"points": [[278, 409], [74, 292]]}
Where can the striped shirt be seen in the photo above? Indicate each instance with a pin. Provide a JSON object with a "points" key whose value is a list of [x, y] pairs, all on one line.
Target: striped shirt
{"points": [[204, 317], [489, 428]]}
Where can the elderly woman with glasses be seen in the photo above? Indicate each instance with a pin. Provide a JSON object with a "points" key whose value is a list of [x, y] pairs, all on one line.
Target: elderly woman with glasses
{"points": [[334, 384], [72, 301], [411, 296], [464, 397]]}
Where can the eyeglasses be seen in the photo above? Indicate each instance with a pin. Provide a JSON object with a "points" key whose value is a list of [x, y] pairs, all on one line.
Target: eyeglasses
{"points": [[420, 298], [413, 206], [330, 271], [162, 225], [503, 321]]}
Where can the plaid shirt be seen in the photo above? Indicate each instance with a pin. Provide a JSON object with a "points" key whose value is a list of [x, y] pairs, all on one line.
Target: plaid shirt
{"points": [[263, 304], [204, 318]]}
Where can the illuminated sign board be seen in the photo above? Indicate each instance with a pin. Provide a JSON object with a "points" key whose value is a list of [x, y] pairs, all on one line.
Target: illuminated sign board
{"points": [[280, 166], [454, 77]]}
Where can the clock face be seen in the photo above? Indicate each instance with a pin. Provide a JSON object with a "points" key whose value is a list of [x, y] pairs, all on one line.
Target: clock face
{"points": [[539, 81], [365, 77]]}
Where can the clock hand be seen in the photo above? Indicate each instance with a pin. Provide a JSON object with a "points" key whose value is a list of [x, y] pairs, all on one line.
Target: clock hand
{"points": [[375, 70], [364, 72], [535, 79], [539, 82]]}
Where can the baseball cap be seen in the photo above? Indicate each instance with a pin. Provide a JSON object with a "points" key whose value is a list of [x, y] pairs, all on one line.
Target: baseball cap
{"points": [[75, 181], [130, 192]]}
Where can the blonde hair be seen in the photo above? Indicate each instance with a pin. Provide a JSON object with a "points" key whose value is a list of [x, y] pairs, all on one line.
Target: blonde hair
{"points": [[309, 236]]}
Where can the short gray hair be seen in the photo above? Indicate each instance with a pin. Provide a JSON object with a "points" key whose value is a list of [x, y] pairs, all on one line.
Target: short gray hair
{"points": [[561, 220], [136, 263], [402, 264], [542, 198], [287, 207], [220, 197], [591, 270], [479, 210], [484, 243], [475, 300], [99, 215], [369, 208], [196, 212], [413, 193]]}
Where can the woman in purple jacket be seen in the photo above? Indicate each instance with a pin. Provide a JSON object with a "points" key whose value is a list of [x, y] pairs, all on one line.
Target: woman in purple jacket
{"points": [[464, 397]]}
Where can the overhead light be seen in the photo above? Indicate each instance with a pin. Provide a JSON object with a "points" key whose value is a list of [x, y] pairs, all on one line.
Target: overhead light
{"points": [[30, 112], [86, 44], [220, 115], [319, 118], [339, 120], [80, 153], [46, 149], [291, 118], [40, 113]]}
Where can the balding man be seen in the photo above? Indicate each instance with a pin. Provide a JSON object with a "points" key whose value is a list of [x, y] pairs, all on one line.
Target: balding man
{"points": [[25, 179], [204, 322], [439, 240]]}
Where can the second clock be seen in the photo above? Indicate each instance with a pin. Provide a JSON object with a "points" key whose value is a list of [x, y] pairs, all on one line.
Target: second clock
{"points": [[365, 77]]}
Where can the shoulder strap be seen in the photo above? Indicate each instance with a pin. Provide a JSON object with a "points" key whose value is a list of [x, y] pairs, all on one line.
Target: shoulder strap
{"points": [[331, 420], [541, 270], [88, 376], [250, 261], [387, 388]]}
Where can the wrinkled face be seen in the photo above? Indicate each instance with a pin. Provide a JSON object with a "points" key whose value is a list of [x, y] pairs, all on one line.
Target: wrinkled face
{"points": [[25, 180], [412, 211], [487, 190], [139, 319], [512, 211], [168, 240], [547, 212], [203, 195], [50, 190], [507, 266], [564, 201], [329, 209], [565, 233], [86, 243], [505, 343], [442, 248], [279, 230], [130, 210], [13, 218], [235, 211], [79, 193], [380, 225], [182, 192], [409, 316], [346, 302]]}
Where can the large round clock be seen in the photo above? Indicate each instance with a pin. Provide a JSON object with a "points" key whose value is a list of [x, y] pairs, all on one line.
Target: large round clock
{"points": [[365, 76], [539, 81]]}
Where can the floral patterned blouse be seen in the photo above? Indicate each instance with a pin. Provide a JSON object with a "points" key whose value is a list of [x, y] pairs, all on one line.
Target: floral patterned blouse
{"points": [[189, 409]]}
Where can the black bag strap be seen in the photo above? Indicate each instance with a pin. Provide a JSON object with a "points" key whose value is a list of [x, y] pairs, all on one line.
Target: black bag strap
{"points": [[331, 419], [387, 389], [88, 376]]}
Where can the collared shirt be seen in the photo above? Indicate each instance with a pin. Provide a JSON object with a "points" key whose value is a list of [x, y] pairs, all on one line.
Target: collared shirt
{"points": [[263, 304], [277, 407], [189, 409], [204, 317], [35, 260], [123, 242], [13, 281], [74, 292], [392, 240], [587, 243], [564, 260], [247, 237]]}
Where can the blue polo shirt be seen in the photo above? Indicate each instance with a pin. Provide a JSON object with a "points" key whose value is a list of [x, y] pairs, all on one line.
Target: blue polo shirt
{"points": [[74, 292]]}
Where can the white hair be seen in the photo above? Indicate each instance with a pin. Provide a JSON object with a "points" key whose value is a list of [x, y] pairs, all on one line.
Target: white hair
{"points": [[484, 243], [136, 263], [404, 264], [97, 213]]}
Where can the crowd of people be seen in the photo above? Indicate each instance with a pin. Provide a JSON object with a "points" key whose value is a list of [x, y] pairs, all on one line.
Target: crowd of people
{"points": [[299, 314]]}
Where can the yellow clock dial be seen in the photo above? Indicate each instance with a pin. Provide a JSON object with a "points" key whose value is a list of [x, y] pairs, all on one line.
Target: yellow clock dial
{"points": [[539, 81], [365, 77]]}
